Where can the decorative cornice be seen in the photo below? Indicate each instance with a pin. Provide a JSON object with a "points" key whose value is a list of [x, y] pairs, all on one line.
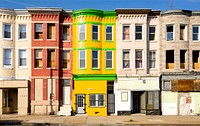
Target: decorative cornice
{"points": [[7, 11], [132, 11], [93, 12], [45, 10], [176, 12]]}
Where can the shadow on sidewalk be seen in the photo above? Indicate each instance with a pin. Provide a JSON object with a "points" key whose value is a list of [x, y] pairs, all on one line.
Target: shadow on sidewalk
{"points": [[10, 122]]}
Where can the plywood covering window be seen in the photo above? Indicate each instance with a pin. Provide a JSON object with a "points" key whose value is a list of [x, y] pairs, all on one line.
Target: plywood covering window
{"points": [[38, 30], [51, 58], [51, 88], [182, 58], [195, 59], [51, 31], [170, 59], [126, 32], [66, 32], [182, 32], [38, 89], [66, 59], [38, 58]]}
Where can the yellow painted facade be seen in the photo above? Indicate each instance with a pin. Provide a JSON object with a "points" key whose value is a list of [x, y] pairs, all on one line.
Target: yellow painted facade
{"points": [[90, 80]]}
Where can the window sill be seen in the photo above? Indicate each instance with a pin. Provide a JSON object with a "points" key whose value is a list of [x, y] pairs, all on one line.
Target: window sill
{"points": [[38, 68], [95, 69], [109, 68], [38, 39], [82, 69], [51, 39], [53, 68], [109, 41], [97, 106], [195, 40], [65, 68], [139, 40], [81, 40], [7, 67], [139, 68], [7, 39], [23, 67], [126, 69], [66, 40], [126, 40], [22, 40], [153, 41], [170, 40], [95, 41]]}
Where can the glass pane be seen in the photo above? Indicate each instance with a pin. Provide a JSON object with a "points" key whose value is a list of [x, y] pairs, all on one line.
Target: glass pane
{"points": [[22, 28], [22, 62], [108, 55], [126, 29], [82, 36], [170, 36], [151, 36], [108, 63], [108, 36], [195, 29], [169, 28], [82, 63], [109, 29], [82, 28], [82, 54], [138, 54], [38, 27], [138, 28], [66, 81], [126, 64], [138, 63], [100, 97], [7, 53], [95, 36], [94, 28], [94, 63], [94, 54], [195, 36], [152, 29], [7, 27], [22, 53], [138, 35], [126, 55]]}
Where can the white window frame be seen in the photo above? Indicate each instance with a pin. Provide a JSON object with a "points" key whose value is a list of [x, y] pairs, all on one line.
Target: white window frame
{"points": [[20, 31], [10, 31], [124, 32], [108, 33], [155, 36], [139, 32], [109, 59], [79, 32], [80, 59], [126, 50], [153, 59], [95, 59], [95, 32], [97, 100], [136, 59], [173, 32], [11, 57], [20, 66], [198, 34]]}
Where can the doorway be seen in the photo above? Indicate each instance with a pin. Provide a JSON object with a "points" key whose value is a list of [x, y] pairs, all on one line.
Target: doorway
{"points": [[80, 106], [138, 98]]}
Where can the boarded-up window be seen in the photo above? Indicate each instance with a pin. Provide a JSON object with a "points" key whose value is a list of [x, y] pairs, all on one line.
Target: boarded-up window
{"points": [[38, 89], [66, 59], [51, 31], [153, 100], [51, 58], [38, 58], [51, 88]]}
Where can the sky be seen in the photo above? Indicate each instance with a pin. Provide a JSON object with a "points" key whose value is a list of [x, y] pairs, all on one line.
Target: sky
{"points": [[102, 4]]}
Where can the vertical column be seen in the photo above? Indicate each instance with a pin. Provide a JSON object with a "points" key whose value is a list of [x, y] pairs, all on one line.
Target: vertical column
{"points": [[1, 103]]}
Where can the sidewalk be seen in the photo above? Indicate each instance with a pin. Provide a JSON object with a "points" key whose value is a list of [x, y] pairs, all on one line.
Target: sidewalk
{"points": [[140, 120]]}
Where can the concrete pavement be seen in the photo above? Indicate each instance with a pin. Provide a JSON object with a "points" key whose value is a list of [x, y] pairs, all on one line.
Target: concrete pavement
{"points": [[140, 120]]}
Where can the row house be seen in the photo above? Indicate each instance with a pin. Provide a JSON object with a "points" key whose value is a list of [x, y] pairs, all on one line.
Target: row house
{"points": [[137, 48], [15, 68], [180, 62], [94, 61], [51, 61]]}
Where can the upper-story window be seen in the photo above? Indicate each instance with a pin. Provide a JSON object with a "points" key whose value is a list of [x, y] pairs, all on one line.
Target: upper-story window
{"points": [[38, 31], [126, 32], [82, 57], [81, 32], [66, 59], [138, 59], [7, 31], [138, 32], [51, 31], [152, 33], [95, 59], [7, 59], [95, 32], [66, 32], [126, 58], [22, 58], [22, 31], [51, 58], [109, 59], [109, 36], [183, 32], [152, 59], [38, 58], [170, 32], [195, 33]]}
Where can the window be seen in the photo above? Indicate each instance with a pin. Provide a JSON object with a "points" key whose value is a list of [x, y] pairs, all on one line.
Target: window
{"points": [[95, 59], [22, 57], [182, 32], [51, 58], [182, 58], [22, 31], [82, 58], [82, 30], [152, 33], [166, 85], [109, 33], [66, 32], [95, 32], [97, 100], [7, 58], [195, 33], [138, 32], [195, 59], [153, 99], [126, 58], [7, 31], [169, 59], [126, 32], [38, 58], [38, 31], [138, 59], [170, 32], [109, 63], [152, 59], [51, 31], [66, 59], [66, 82]]}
